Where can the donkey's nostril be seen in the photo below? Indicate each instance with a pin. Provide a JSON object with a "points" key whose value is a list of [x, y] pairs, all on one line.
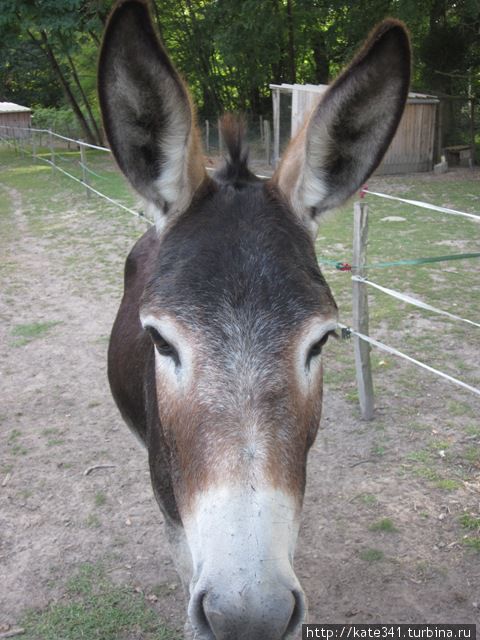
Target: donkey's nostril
{"points": [[198, 617], [298, 613]]}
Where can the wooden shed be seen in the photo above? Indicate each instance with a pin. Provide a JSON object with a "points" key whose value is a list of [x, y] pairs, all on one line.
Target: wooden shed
{"points": [[411, 150], [14, 115]]}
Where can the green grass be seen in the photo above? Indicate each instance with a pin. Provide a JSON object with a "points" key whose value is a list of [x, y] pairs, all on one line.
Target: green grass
{"points": [[385, 525], [372, 555], [31, 331], [100, 499], [470, 522], [55, 442], [94, 608], [472, 454], [18, 450], [93, 521], [56, 211], [473, 543], [445, 285], [368, 499], [448, 484], [420, 456]]}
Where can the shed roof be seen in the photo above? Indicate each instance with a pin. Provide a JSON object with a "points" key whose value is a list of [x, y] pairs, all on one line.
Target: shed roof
{"points": [[11, 107], [413, 97]]}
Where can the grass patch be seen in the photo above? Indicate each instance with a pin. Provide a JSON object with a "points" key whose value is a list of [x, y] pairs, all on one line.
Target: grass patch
{"points": [[473, 543], [54, 442], [100, 499], [459, 409], [385, 524], [25, 333], [372, 555], [472, 455], [378, 450], [24, 494], [94, 608], [93, 521], [368, 499], [420, 456], [19, 450], [51, 431], [14, 435], [470, 522], [448, 484]]}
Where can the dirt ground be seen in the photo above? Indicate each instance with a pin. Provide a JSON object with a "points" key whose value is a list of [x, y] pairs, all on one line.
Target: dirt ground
{"points": [[59, 420]]}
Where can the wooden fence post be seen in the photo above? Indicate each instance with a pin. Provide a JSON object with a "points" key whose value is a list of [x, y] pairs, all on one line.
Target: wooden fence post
{"points": [[20, 147], [267, 139], [34, 145], [52, 150], [360, 311], [276, 126], [83, 162]]}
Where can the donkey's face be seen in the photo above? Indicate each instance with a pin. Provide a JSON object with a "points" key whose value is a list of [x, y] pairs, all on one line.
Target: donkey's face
{"points": [[238, 310]]}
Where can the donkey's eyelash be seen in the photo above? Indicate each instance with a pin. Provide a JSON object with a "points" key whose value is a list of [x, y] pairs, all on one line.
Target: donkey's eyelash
{"points": [[163, 347], [316, 348]]}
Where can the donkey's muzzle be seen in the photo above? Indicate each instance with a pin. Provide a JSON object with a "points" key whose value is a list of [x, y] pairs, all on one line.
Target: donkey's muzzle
{"points": [[249, 612]]}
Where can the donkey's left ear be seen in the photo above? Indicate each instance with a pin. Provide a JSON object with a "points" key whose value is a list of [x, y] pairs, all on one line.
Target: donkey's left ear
{"points": [[349, 131], [147, 113]]}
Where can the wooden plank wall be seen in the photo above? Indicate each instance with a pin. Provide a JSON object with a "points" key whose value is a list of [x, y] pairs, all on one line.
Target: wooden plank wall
{"points": [[302, 104], [16, 119], [412, 147]]}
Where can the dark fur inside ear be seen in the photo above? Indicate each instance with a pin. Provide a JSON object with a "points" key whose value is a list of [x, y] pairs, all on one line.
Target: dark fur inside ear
{"points": [[145, 106], [360, 112], [349, 131]]}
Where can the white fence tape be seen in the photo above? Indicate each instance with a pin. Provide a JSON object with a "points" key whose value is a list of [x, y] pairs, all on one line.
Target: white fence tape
{"points": [[57, 135], [98, 193], [418, 303], [424, 205], [400, 354], [391, 292]]}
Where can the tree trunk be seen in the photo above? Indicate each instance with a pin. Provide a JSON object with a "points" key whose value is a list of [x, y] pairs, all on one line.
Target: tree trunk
{"points": [[48, 51], [278, 69], [84, 97], [291, 44], [320, 59]]}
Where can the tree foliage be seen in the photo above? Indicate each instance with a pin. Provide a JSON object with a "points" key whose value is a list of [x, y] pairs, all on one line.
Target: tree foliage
{"points": [[230, 51]]}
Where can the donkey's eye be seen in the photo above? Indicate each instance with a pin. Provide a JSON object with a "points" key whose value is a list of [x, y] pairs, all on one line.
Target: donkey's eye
{"points": [[316, 348], [163, 347]]}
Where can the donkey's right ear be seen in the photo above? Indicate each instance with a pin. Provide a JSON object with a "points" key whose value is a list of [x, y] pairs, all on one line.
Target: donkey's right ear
{"points": [[147, 113]]}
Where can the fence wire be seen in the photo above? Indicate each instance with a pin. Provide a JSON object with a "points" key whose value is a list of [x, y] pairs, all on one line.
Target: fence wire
{"points": [[18, 137]]}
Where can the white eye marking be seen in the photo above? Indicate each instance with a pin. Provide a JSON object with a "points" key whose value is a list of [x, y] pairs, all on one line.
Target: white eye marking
{"points": [[173, 350], [309, 352]]}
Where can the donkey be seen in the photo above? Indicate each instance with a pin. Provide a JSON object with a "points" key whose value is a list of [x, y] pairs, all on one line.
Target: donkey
{"points": [[215, 357]]}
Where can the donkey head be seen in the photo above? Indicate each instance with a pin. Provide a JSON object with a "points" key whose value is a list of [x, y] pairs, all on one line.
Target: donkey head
{"points": [[238, 311]]}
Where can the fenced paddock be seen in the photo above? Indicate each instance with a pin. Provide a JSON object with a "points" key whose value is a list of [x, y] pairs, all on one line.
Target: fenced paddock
{"points": [[21, 139], [391, 520]]}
